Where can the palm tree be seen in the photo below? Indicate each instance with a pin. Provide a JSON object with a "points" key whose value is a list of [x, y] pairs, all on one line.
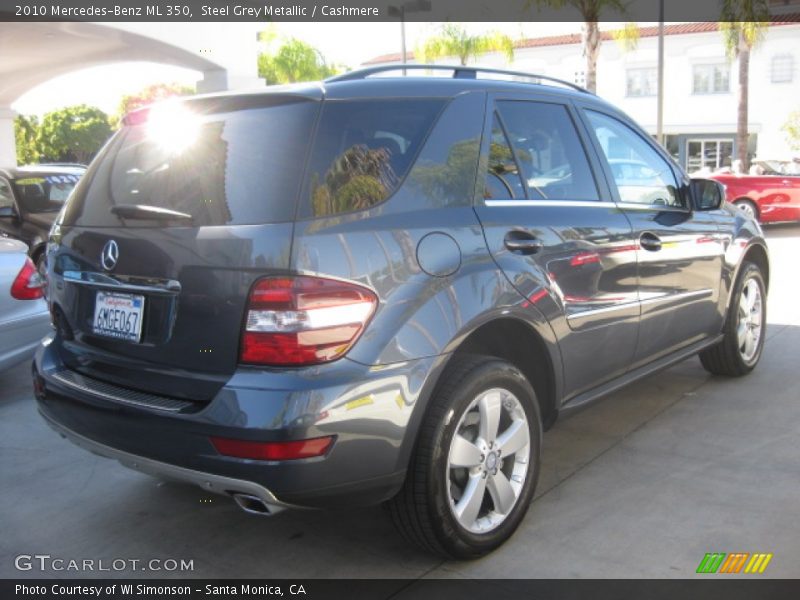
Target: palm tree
{"points": [[453, 40], [590, 34], [743, 25]]}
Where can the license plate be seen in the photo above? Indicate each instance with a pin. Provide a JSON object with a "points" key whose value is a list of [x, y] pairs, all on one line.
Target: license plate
{"points": [[118, 316]]}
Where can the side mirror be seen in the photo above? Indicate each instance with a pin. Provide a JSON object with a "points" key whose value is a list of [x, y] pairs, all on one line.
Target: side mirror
{"points": [[707, 194], [7, 212]]}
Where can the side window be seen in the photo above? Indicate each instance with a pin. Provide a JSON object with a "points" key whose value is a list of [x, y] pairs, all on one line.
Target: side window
{"points": [[503, 180], [548, 150], [363, 150], [642, 176], [6, 199]]}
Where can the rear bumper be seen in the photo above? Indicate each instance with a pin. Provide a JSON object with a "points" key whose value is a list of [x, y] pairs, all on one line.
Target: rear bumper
{"points": [[208, 481], [370, 411]]}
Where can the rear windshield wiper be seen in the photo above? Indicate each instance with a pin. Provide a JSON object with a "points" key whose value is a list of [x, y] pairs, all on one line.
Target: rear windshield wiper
{"points": [[145, 211]]}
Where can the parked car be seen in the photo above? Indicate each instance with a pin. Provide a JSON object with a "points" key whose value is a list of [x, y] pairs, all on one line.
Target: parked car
{"points": [[768, 198], [30, 198], [24, 318], [346, 293]]}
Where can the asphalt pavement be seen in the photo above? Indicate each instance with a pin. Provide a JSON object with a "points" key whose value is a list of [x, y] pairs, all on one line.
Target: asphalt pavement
{"points": [[641, 484]]}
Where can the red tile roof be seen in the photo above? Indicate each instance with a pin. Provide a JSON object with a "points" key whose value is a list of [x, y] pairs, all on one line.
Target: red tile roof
{"points": [[575, 38]]}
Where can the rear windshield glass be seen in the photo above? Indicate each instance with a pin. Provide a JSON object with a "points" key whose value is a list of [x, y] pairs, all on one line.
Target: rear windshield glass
{"points": [[44, 193], [363, 150], [237, 167]]}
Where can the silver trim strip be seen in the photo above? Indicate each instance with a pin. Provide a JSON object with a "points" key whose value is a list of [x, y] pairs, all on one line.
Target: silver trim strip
{"points": [[600, 311], [666, 297], [88, 278], [682, 296], [583, 204], [217, 484], [658, 207], [572, 203]]}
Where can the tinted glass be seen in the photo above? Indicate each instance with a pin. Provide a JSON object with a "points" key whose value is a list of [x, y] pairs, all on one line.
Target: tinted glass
{"points": [[44, 193], [240, 166], [642, 176], [548, 150], [444, 173], [363, 150], [503, 181]]}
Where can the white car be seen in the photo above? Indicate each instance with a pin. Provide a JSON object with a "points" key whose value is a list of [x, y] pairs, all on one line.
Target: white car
{"points": [[24, 318]]}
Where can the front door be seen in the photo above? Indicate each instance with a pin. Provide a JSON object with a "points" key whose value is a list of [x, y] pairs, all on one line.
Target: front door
{"points": [[680, 251]]}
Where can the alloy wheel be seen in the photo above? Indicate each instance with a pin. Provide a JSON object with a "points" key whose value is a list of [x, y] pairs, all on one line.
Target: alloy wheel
{"points": [[748, 329], [488, 460]]}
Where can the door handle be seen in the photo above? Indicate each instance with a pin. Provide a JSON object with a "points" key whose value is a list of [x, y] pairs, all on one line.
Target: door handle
{"points": [[522, 242], [650, 241]]}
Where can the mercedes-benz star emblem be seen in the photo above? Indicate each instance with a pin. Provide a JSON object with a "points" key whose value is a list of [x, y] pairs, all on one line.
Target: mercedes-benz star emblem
{"points": [[109, 256]]}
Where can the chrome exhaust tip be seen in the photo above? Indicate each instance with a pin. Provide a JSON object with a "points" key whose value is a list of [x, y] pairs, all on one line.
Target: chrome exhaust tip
{"points": [[255, 505]]}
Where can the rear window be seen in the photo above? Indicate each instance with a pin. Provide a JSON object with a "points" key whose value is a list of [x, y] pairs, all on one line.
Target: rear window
{"points": [[363, 150], [44, 193], [234, 166]]}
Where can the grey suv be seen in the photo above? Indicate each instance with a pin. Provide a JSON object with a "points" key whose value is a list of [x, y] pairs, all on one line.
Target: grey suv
{"points": [[382, 289]]}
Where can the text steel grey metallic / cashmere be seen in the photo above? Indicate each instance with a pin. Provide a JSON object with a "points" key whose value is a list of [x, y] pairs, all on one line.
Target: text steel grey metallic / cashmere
{"points": [[382, 289]]}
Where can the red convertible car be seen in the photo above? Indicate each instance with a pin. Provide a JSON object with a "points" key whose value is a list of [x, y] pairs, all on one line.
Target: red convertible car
{"points": [[769, 198]]}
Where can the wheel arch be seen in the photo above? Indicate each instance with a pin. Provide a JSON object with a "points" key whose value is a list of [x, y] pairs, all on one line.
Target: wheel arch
{"points": [[36, 249], [530, 346], [756, 253], [751, 201]]}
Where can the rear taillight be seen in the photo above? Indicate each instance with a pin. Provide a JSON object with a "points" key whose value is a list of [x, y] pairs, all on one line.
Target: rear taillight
{"points": [[303, 320], [28, 284]]}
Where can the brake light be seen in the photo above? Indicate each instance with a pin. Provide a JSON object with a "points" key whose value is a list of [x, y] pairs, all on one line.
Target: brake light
{"points": [[272, 450], [303, 320], [28, 284]]}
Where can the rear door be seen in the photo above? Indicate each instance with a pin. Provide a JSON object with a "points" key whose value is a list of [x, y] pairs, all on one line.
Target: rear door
{"points": [[552, 228], [165, 234], [680, 251]]}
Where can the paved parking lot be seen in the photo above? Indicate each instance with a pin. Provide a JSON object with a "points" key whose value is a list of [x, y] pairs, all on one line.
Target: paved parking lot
{"points": [[642, 484]]}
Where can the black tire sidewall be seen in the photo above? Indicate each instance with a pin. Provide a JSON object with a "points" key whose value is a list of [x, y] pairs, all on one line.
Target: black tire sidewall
{"points": [[458, 541]]}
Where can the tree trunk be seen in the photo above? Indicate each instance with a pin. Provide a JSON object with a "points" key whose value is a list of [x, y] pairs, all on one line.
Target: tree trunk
{"points": [[741, 116], [591, 49]]}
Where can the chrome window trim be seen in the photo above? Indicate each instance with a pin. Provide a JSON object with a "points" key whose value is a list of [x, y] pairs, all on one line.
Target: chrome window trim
{"points": [[568, 203], [585, 204]]}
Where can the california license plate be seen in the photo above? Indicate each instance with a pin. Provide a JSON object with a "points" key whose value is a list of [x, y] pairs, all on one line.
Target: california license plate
{"points": [[118, 316]]}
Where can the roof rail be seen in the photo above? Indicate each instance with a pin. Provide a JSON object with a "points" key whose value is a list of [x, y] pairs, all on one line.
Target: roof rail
{"points": [[459, 72]]}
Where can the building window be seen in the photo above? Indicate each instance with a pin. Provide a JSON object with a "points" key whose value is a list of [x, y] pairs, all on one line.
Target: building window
{"points": [[641, 82], [711, 79], [782, 68], [708, 154]]}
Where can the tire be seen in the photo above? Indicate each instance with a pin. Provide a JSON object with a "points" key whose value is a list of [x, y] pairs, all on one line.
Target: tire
{"points": [[745, 328], [433, 509], [748, 207], [40, 261]]}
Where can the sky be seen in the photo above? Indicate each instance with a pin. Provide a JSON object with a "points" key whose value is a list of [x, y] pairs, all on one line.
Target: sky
{"points": [[104, 86]]}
